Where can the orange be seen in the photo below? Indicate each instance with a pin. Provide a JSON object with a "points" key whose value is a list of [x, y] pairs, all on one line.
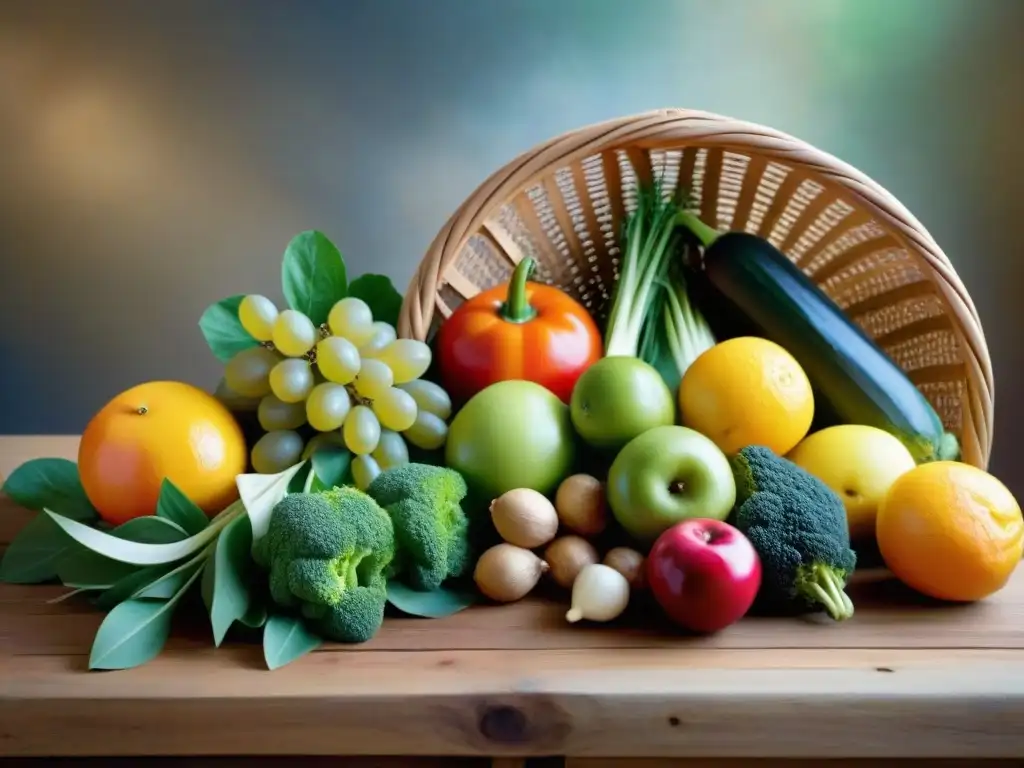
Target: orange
{"points": [[950, 531], [747, 391], [157, 430]]}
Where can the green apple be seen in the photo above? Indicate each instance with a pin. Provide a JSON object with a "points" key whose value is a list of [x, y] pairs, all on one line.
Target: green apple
{"points": [[618, 398], [512, 434], [667, 475]]}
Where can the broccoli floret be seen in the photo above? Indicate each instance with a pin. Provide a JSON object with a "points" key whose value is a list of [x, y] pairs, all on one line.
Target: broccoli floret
{"points": [[798, 526], [328, 553], [431, 527]]}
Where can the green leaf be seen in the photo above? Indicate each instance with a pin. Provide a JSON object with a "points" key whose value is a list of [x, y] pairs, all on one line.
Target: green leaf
{"points": [[134, 631], [226, 578], [175, 506], [301, 479], [435, 604], [255, 617], [331, 465], [223, 330], [33, 555], [126, 587], [380, 293], [260, 494], [313, 275], [285, 639], [138, 553], [150, 530], [83, 566], [50, 483], [168, 585]]}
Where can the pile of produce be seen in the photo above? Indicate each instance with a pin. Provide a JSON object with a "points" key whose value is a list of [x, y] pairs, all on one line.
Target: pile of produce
{"points": [[726, 441]]}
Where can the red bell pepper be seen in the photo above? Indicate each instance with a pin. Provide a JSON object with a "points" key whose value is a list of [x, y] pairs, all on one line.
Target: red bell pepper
{"points": [[520, 330]]}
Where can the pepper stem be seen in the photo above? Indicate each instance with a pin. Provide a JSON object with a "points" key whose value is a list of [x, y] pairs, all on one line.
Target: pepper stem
{"points": [[703, 232], [516, 309]]}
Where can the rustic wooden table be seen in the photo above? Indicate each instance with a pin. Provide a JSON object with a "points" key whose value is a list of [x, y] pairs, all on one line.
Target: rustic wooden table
{"points": [[902, 679]]}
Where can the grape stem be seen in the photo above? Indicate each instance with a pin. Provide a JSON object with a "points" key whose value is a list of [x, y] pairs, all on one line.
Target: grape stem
{"points": [[515, 308]]}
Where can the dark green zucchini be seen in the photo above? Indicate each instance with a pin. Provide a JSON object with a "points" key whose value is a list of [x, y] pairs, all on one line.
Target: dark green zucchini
{"points": [[751, 288]]}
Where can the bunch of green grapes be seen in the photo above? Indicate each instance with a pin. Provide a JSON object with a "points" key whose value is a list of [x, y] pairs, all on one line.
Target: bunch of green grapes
{"points": [[350, 382]]}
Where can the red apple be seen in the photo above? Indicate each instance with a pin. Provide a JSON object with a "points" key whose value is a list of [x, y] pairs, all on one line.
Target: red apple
{"points": [[704, 574]]}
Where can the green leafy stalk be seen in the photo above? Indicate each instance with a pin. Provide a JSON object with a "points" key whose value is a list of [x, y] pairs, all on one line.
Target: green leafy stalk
{"points": [[686, 329]]}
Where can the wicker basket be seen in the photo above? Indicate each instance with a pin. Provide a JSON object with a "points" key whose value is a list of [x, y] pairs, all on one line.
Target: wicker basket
{"points": [[563, 203]]}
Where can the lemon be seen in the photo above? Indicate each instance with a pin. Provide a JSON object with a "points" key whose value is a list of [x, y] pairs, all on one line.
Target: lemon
{"points": [[859, 463]]}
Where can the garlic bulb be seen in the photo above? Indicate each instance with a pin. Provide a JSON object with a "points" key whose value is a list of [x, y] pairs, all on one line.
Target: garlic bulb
{"points": [[525, 518], [600, 593]]}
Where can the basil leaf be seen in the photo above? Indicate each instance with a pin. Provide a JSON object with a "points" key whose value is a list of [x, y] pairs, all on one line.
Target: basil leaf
{"points": [[223, 330], [50, 483], [380, 294], [313, 275]]}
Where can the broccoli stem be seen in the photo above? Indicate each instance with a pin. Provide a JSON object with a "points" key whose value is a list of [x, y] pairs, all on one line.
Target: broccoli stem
{"points": [[822, 584]]}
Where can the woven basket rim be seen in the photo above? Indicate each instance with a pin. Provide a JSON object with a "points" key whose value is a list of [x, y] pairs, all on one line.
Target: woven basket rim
{"points": [[673, 127]]}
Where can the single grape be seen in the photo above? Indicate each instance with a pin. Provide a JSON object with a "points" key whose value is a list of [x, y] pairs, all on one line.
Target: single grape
{"points": [[395, 408], [276, 451], [234, 401], [327, 406], [274, 414], [291, 380], [383, 334], [257, 315], [427, 432], [248, 372], [364, 470], [407, 358], [361, 430], [429, 397], [337, 359], [373, 379], [391, 450], [351, 318], [294, 333], [323, 440]]}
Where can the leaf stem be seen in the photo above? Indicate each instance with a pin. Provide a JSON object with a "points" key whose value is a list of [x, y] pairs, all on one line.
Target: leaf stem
{"points": [[516, 308], [705, 233]]}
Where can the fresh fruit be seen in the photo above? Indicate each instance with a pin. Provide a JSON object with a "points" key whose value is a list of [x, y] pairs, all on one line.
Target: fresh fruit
{"points": [[407, 358], [581, 505], [506, 573], [599, 593], [618, 398], [630, 564], [759, 291], [950, 531], [859, 463], [666, 475], [276, 451], [429, 397], [747, 391], [158, 430], [364, 470], [391, 450], [374, 378], [382, 335], [361, 430], [395, 408], [294, 334], [248, 372], [519, 330], [338, 359], [291, 380], [428, 431], [704, 574], [566, 556], [274, 413], [352, 319], [257, 315], [328, 406], [524, 517], [513, 434]]}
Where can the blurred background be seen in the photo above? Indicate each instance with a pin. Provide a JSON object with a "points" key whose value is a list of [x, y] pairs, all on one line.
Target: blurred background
{"points": [[157, 155]]}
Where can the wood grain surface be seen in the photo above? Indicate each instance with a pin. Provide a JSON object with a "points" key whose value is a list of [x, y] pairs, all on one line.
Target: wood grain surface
{"points": [[904, 678]]}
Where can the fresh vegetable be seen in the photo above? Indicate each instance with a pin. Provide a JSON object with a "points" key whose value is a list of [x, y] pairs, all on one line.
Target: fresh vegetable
{"points": [[860, 464], [618, 398], [566, 556], [599, 593], [581, 505], [506, 573], [651, 305], [797, 524], [431, 529], [522, 330], [704, 574], [514, 434], [327, 554], [524, 517], [747, 391], [855, 381], [630, 564]]}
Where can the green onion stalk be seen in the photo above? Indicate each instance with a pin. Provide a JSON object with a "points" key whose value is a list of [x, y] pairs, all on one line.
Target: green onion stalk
{"points": [[651, 300]]}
